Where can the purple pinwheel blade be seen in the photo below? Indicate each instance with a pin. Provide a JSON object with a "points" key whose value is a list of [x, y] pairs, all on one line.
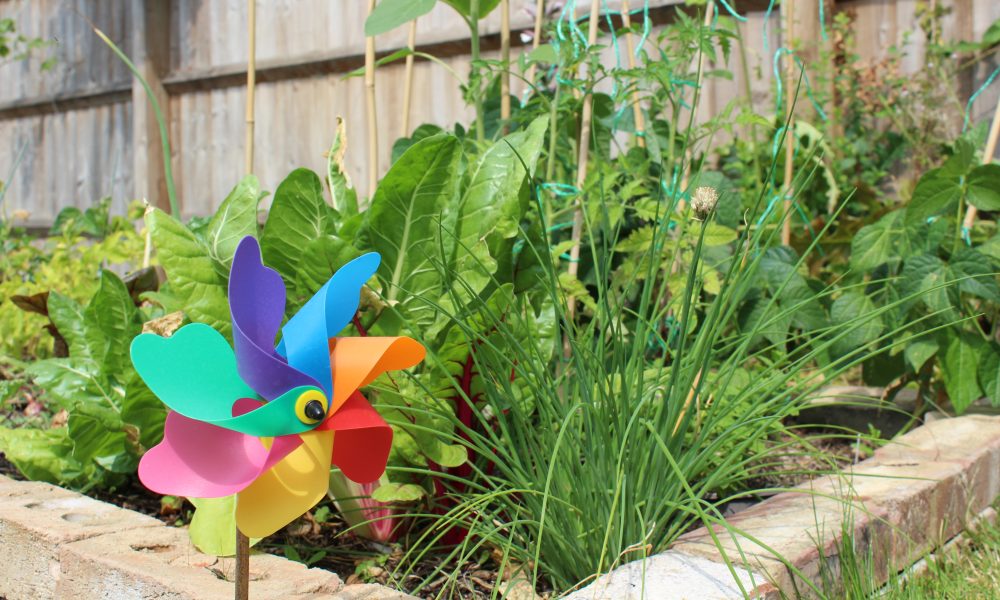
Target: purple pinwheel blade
{"points": [[257, 305]]}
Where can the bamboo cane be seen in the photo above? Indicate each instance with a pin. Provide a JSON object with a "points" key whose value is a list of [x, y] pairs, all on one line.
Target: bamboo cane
{"points": [[411, 43], [505, 65], [370, 103], [636, 106], [786, 226], [988, 152], [581, 171], [251, 84], [537, 38], [242, 575]]}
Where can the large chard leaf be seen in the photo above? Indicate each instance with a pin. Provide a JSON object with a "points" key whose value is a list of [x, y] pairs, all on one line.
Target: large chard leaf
{"points": [[299, 214], [491, 206], [235, 219], [195, 284], [112, 312], [403, 225], [44, 455]]}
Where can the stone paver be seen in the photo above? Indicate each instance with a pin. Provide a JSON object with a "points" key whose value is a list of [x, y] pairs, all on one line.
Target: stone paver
{"points": [[671, 576], [59, 544], [35, 519], [912, 496]]}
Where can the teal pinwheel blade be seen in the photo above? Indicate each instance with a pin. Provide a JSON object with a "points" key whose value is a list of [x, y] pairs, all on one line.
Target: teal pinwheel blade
{"points": [[194, 373]]}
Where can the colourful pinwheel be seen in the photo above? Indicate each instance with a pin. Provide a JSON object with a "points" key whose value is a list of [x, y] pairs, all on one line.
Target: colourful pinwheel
{"points": [[266, 422]]}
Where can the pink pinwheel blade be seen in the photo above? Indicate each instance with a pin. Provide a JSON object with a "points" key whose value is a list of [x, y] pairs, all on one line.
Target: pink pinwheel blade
{"points": [[204, 461]]}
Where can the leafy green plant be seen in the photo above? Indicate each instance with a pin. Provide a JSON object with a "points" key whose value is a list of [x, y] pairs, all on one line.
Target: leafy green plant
{"points": [[65, 261], [111, 417], [918, 250]]}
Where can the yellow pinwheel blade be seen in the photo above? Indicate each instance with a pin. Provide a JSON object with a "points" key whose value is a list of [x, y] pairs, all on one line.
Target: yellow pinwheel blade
{"points": [[287, 491]]}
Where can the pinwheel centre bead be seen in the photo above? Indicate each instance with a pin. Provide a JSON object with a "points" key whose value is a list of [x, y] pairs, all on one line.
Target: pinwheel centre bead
{"points": [[314, 410], [311, 406]]}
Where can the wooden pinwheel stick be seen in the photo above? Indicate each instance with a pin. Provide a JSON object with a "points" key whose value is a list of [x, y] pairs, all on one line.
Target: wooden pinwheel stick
{"points": [[242, 566]]}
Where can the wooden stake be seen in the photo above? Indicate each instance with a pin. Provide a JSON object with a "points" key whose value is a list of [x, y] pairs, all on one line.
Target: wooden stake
{"points": [[505, 62], [988, 153], [581, 169], [786, 226], [251, 83], [537, 39], [636, 106], [370, 99], [411, 43], [242, 566]]}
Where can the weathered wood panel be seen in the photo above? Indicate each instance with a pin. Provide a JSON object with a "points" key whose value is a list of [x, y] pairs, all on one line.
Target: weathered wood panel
{"points": [[76, 122]]}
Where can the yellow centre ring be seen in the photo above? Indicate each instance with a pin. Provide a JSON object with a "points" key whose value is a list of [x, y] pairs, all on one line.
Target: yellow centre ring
{"points": [[305, 406]]}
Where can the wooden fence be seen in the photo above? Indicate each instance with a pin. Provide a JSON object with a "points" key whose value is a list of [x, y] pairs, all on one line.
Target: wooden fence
{"points": [[84, 129]]}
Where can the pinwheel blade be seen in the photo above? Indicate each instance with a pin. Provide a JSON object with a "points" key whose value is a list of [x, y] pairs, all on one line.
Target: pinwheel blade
{"points": [[289, 489], [257, 306], [362, 440], [203, 461], [304, 337], [193, 372], [357, 361]]}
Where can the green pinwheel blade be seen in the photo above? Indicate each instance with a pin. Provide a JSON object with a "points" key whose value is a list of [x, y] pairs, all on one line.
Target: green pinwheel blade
{"points": [[194, 373]]}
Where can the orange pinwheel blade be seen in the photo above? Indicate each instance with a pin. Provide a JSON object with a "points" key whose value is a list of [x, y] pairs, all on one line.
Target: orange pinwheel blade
{"points": [[357, 361]]}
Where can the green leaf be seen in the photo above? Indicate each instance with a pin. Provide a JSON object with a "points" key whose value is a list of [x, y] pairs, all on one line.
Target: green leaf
{"points": [[398, 492], [983, 189], [194, 281], [718, 235], [935, 193], [402, 144], [544, 53], [343, 194], [877, 244], [404, 226], [83, 336], [321, 259], [492, 204], [918, 352], [390, 14], [853, 313], [142, 410], [299, 214], [113, 313], [959, 367], [989, 374], [70, 381], [235, 219], [213, 527], [930, 279], [979, 279], [43, 455], [464, 7], [638, 241]]}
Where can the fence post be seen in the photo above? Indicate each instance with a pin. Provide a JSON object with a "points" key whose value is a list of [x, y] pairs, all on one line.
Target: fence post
{"points": [[150, 51]]}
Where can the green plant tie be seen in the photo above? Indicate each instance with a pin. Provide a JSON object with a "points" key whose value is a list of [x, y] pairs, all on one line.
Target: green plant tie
{"points": [[805, 78], [767, 19], [739, 17], [972, 98], [822, 21]]}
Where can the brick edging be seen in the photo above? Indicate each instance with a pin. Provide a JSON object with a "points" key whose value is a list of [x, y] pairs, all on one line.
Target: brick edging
{"points": [[912, 496], [55, 543]]}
